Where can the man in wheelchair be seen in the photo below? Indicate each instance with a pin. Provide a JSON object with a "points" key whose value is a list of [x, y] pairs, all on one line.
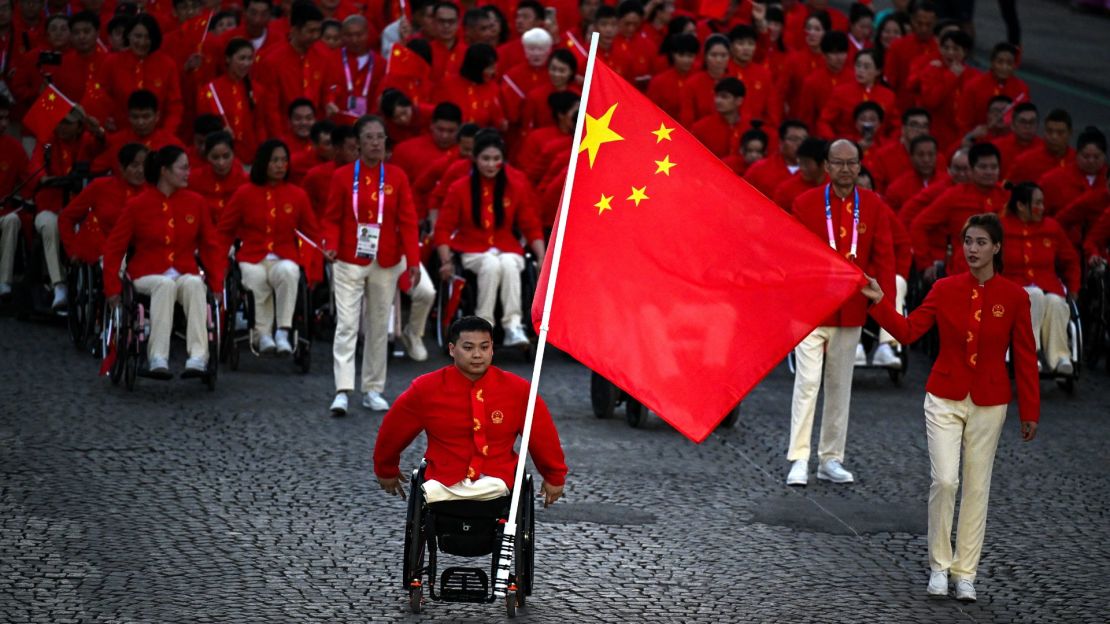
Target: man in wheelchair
{"points": [[472, 413]]}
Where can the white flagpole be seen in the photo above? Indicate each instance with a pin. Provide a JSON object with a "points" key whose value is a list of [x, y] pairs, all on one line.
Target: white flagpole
{"points": [[505, 558]]}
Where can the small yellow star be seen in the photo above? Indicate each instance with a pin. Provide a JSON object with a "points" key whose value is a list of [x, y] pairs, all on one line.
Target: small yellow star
{"points": [[597, 133], [51, 97], [663, 133], [664, 166], [638, 195], [603, 205]]}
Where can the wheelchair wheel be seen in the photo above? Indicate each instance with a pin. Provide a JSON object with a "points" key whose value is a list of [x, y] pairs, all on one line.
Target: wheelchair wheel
{"points": [[633, 412], [1067, 384], [510, 603], [232, 350], [526, 552], [302, 357], [130, 370], [416, 598], [415, 539], [603, 396], [302, 323]]}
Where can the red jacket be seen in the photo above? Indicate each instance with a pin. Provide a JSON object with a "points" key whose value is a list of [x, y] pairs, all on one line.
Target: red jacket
{"points": [[1039, 254], [891, 160], [1004, 325], [14, 168], [875, 249], [537, 113], [978, 94], [672, 92], [470, 426], [399, 235], [941, 92], [104, 154], [286, 75], [945, 218], [456, 228], [904, 187], [95, 210], [799, 65], [792, 187], [767, 174], [761, 98], [1064, 185], [1081, 214], [122, 73], [165, 232], [1098, 239], [480, 103], [815, 92], [1035, 163], [216, 190], [416, 153], [244, 118], [835, 118], [266, 220], [1010, 149], [718, 136]]}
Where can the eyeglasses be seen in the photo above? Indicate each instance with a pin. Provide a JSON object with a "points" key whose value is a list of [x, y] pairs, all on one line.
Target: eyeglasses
{"points": [[843, 164]]}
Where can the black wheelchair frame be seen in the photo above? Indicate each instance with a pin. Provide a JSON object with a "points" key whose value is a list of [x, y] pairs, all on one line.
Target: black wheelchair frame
{"points": [[605, 396], [86, 313], [466, 529], [1095, 299], [239, 299]]}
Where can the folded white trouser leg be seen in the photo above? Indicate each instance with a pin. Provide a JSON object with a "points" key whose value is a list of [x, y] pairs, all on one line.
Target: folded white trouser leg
{"points": [[46, 223], [481, 489], [423, 298], [9, 237]]}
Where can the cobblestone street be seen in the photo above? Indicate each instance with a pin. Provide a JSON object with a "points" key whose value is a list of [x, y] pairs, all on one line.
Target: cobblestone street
{"points": [[252, 504]]}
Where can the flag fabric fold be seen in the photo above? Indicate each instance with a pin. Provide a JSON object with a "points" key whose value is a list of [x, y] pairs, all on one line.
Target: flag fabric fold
{"points": [[46, 113], [679, 282]]}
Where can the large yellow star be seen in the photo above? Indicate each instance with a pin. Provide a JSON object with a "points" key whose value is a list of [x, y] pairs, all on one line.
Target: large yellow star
{"points": [[638, 195], [597, 133], [663, 133], [664, 166], [603, 205]]}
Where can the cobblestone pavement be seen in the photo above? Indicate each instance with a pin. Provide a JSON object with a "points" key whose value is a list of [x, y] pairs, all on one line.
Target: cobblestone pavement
{"points": [[251, 504]]}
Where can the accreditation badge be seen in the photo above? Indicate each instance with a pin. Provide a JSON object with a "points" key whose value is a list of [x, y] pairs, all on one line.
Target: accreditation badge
{"points": [[356, 105], [367, 244]]}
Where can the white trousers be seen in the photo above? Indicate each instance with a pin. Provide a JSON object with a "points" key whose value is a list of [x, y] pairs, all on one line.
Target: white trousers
{"points": [[423, 296], [482, 489], [274, 284], [899, 304], [9, 240], [1050, 316], [46, 224], [164, 291], [498, 273], [351, 283], [828, 353], [952, 427]]}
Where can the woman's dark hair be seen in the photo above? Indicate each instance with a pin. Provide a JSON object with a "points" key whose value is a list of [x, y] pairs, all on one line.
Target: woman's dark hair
{"points": [[129, 152], [755, 134], [684, 43], [566, 57], [1020, 193], [821, 16], [222, 15], [483, 141], [903, 21], [233, 47], [876, 57], [989, 223], [261, 165], [713, 41], [478, 57], [151, 24], [220, 137], [676, 26], [159, 160], [503, 31], [366, 120]]}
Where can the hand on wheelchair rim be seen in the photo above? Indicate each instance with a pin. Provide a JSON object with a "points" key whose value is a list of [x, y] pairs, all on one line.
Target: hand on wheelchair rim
{"points": [[394, 485]]}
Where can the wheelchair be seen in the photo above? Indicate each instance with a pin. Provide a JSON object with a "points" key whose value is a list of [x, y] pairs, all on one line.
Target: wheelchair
{"points": [[1067, 382], [870, 340], [459, 297], [130, 331], [33, 293], [239, 321], [86, 307], [605, 397], [1095, 299], [466, 529]]}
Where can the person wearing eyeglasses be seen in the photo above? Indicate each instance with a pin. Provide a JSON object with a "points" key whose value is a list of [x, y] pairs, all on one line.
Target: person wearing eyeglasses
{"points": [[853, 222]]}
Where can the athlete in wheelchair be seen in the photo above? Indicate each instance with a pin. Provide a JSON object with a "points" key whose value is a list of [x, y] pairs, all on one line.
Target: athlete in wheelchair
{"points": [[483, 218], [460, 497], [166, 227], [267, 216]]}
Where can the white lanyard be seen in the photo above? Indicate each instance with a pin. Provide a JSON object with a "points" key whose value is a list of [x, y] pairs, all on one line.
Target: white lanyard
{"points": [[350, 82], [381, 190], [855, 221]]}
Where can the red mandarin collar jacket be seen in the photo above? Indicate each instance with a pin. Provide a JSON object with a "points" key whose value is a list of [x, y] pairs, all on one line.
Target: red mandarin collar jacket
{"points": [[1034, 251], [455, 226], [946, 216], [266, 220], [455, 413], [1004, 324], [96, 209], [166, 232], [875, 247], [399, 235], [217, 190]]}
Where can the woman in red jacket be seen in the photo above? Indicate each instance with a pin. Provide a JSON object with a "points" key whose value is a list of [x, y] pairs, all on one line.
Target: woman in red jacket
{"points": [[1042, 259], [561, 69], [234, 97], [266, 216], [84, 225], [980, 316], [474, 88], [477, 220], [221, 175], [167, 225]]}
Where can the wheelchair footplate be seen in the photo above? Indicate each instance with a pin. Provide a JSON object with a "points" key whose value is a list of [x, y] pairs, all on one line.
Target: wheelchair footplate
{"points": [[464, 585]]}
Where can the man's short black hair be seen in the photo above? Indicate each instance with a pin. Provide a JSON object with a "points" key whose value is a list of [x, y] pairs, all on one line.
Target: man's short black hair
{"points": [[1025, 107], [447, 111], [142, 100], [814, 149], [1059, 115], [730, 85], [302, 12], [980, 151], [916, 112], [834, 41], [468, 324], [319, 129], [869, 105], [786, 125], [921, 140], [299, 103], [206, 124]]}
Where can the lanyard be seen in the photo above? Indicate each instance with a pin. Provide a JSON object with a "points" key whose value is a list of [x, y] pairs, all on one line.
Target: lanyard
{"points": [[381, 190], [855, 221], [347, 72]]}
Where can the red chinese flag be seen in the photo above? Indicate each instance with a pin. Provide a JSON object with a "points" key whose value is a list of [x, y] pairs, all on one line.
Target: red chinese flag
{"points": [[679, 282], [405, 63], [713, 9], [46, 113]]}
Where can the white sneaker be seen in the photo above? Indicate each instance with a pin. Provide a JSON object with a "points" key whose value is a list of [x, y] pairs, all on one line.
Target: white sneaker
{"points": [[158, 365], [885, 356], [1064, 367], [375, 401], [5, 290], [281, 341], [339, 404], [965, 590], [414, 345], [861, 356], [799, 473], [266, 344], [515, 337], [833, 470], [938, 583], [61, 297], [196, 364]]}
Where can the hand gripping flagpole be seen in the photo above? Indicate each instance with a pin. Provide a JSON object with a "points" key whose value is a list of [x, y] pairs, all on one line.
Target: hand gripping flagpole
{"points": [[508, 540]]}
